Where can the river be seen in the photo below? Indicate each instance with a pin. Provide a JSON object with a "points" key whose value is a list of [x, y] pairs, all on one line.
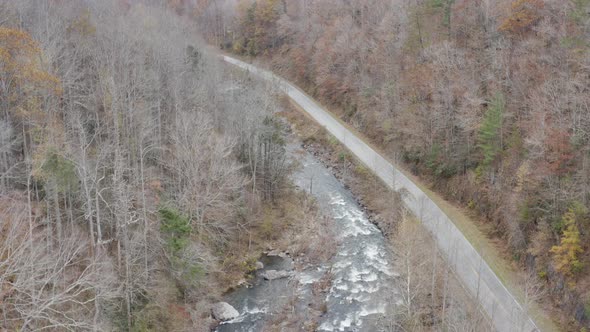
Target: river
{"points": [[363, 290]]}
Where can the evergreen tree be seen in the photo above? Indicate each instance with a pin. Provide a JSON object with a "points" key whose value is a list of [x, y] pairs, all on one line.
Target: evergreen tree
{"points": [[177, 228], [490, 133]]}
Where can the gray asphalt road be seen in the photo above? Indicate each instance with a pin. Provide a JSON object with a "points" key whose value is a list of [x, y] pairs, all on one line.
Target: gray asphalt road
{"points": [[478, 278]]}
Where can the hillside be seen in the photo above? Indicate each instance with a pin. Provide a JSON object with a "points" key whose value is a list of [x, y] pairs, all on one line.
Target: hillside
{"points": [[486, 100], [138, 178]]}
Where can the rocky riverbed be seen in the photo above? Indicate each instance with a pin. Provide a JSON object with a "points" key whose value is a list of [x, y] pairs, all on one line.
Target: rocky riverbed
{"points": [[354, 290]]}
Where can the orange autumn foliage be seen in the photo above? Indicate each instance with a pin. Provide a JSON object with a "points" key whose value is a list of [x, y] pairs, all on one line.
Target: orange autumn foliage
{"points": [[20, 59], [24, 84], [524, 13]]}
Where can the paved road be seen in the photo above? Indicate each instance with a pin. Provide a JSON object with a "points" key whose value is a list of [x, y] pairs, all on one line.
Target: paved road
{"points": [[478, 278]]}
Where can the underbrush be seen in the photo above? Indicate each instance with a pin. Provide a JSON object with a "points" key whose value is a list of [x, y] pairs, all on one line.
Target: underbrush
{"points": [[432, 298]]}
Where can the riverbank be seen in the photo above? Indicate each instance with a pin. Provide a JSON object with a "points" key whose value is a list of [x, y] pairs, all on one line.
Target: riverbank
{"points": [[510, 298], [432, 296], [292, 236], [355, 275], [335, 275]]}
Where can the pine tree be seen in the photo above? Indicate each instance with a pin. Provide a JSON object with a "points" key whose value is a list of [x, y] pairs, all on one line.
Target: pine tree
{"points": [[490, 133], [177, 228]]}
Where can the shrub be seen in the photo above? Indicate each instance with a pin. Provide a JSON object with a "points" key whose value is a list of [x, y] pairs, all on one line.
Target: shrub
{"points": [[342, 156], [267, 227], [361, 170]]}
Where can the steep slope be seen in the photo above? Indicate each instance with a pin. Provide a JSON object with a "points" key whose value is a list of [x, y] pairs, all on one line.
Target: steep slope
{"points": [[485, 101], [501, 306]]}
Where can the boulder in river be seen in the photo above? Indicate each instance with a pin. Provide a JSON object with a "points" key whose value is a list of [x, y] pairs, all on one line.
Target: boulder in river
{"points": [[259, 265], [274, 274], [275, 252], [223, 311]]}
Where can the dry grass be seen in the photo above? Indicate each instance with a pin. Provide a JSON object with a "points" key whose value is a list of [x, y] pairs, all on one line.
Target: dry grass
{"points": [[286, 225]]}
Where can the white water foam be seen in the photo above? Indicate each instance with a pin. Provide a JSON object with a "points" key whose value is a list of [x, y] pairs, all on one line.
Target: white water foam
{"points": [[326, 326], [337, 199], [379, 310], [309, 277], [352, 229], [346, 323]]}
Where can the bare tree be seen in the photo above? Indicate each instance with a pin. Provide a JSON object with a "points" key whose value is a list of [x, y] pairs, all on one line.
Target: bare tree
{"points": [[49, 288]]}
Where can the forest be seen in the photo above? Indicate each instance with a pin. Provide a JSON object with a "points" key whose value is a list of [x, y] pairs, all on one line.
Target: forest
{"points": [[488, 101], [134, 169], [140, 177]]}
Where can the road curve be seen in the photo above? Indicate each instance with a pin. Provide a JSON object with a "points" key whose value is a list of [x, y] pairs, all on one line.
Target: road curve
{"points": [[502, 308]]}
